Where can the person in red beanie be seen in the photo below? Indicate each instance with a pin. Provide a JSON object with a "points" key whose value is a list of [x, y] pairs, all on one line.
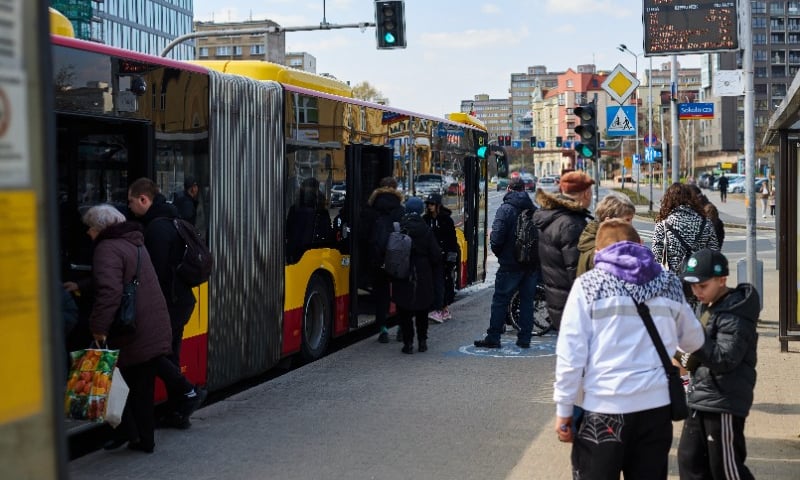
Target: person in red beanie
{"points": [[561, 219]]}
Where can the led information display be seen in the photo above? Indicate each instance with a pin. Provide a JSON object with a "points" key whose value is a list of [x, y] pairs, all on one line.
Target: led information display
{"points": [[684, 26]]}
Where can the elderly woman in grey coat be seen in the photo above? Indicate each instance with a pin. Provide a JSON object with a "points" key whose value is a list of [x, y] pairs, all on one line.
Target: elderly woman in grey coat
{"points": [[118, 250]]}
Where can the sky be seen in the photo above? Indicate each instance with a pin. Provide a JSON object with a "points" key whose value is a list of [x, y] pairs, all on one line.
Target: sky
{"points": [[456, 48]]}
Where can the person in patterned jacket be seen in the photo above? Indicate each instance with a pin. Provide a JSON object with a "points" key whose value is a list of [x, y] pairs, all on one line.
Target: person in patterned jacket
{"points": [[605, 353], [681, 229]]}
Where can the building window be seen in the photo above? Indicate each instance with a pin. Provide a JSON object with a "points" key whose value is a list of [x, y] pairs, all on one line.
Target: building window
{"points": [[569, 83], [257, 49], [223, 50], [203, 52]]}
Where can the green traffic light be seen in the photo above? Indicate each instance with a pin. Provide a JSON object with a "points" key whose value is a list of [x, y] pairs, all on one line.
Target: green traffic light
{"points": [[587, 151], [389, 38], [482, 151]]}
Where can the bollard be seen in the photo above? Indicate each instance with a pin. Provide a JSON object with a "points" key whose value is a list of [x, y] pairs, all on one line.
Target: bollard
{"points": [[741, 277]]}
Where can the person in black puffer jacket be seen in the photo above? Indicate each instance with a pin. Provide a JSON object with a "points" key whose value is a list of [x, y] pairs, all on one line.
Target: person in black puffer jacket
{"points": [[723, 372], [561, 219], [384, 207], [414, 296]]}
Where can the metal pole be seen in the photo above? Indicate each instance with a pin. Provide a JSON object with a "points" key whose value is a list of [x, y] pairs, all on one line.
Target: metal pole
{"points": [[676, 149], [259, 31], [664, 153], [650, 127], [749, 137], [636, 137]]}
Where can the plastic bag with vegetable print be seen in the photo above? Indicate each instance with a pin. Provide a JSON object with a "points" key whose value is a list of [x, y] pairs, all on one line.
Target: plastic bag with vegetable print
{"points": [[89, 383]]}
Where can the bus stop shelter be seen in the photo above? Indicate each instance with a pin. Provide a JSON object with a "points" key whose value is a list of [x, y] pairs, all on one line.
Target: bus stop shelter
{"points": [[784, 131]]}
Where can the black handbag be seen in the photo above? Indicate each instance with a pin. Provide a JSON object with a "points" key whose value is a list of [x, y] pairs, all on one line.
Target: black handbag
{"points": [[125, 319], [677, 395]]}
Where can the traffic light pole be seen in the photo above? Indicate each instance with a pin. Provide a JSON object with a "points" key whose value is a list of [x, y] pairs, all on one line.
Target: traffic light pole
{"points": [[262, 31]]}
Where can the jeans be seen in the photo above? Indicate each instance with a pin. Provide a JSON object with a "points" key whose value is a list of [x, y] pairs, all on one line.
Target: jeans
{"points": [[506, 282]]}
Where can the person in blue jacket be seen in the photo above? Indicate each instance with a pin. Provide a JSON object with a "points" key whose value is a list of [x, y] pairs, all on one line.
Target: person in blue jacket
{"points": [[511, 276]]}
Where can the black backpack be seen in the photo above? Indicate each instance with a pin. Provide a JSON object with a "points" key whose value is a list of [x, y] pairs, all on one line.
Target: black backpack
{"points": [[397, 260], [526, 240], [196, 264]]}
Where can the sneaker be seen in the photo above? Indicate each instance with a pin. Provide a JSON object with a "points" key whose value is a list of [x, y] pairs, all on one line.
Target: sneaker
{"points": [[446, 314], [423, 346], [436, 316], [487, 344], [383, 337], [191, 402]]}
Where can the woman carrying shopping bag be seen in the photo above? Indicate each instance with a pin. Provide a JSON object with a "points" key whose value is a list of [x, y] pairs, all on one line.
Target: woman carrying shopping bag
{"points": [[119, 256]]}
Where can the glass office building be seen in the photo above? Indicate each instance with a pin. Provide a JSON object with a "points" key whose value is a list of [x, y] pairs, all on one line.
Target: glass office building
{"points": [[146, 26]]}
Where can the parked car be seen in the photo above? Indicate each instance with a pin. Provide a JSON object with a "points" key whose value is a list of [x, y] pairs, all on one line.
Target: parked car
{"points": [[530, 181], [338, 194], [428, 183], [502, 184], [548, 182], [705, 180], [736, 185]]}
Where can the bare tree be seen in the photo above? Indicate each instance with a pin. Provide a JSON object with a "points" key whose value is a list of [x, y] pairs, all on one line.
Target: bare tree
{"points": [[365, 91]]}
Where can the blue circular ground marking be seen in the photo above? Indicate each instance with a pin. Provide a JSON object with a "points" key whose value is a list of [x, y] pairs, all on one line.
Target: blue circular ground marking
{"points": [[544, 346]]}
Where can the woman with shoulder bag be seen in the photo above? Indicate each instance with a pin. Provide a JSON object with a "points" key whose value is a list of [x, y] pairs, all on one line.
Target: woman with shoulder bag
{"points": [[119, 256]]}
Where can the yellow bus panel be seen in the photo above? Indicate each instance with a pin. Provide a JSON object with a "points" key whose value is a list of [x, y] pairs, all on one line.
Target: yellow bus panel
{"points": [[60, 25], [259, 70]]}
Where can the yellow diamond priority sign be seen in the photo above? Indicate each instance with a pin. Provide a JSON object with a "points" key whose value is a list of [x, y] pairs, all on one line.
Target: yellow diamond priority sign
{"points": [[620, 84]]}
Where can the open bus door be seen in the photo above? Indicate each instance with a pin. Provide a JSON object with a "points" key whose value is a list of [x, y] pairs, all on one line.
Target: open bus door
{"points": [[475, 218], [366, 166], [97, 158]]}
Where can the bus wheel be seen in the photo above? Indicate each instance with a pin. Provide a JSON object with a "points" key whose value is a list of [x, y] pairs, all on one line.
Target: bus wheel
{"points": [[317, 315]]}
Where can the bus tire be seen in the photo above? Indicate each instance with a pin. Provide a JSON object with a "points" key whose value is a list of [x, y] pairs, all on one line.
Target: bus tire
{"points": [[317, 318]]}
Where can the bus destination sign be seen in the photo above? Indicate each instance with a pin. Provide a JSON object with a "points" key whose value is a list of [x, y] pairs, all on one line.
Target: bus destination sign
{"points": [[685, 26]]}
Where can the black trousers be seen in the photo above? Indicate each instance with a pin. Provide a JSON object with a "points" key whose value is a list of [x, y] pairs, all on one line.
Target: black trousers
{"points": [[712, 446], [380, 295], [138, 423], [168, 367], [634, 444], [407, 318]]}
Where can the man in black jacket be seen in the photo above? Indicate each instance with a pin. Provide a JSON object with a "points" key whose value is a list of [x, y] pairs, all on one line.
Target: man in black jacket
{"points": [[723, 372], [166, 248], [186, 201], [561, 218], [511, 276]]}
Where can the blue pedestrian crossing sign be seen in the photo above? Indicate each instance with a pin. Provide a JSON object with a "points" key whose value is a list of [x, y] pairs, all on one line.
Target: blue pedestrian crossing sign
{"points": [[621, 121]]}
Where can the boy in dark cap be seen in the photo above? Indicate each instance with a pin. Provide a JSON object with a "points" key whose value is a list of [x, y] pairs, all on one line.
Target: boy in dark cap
{"points": [[722, 372]]}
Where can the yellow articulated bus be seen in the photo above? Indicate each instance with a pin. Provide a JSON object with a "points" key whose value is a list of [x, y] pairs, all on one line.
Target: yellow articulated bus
{"points": [[286, 161]]}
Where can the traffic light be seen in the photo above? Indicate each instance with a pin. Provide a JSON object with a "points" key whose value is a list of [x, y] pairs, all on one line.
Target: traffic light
{"points": [[586, 145], [559, 142], [502, 163], [533, 142], [507, 140], [501, 140], [390, 24]]}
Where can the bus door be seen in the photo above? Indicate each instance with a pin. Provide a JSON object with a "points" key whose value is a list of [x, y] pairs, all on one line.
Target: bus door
{"points": [[475, 218], [97, 157], [366, 166]]}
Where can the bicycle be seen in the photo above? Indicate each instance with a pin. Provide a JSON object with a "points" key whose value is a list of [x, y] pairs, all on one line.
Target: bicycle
{"points": [[541, 319]]}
